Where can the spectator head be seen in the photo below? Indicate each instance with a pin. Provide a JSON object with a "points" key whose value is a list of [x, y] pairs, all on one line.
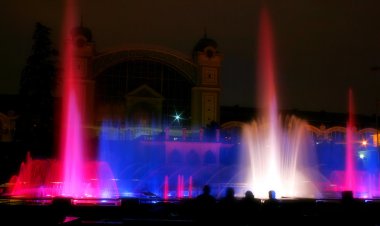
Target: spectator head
{"points": [[230, 192], [206, 189], [249, 194], [272, 194]]}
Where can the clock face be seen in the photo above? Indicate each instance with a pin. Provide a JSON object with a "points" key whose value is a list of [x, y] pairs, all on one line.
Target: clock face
{"points": [[209, 76]]}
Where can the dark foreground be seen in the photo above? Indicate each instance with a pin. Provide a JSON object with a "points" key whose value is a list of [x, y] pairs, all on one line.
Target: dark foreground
{"points": [[186, 212]]}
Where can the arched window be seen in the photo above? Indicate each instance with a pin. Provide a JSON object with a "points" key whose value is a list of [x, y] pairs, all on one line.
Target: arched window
{"points": [[193, 158], [210, 158], [175, 157]]}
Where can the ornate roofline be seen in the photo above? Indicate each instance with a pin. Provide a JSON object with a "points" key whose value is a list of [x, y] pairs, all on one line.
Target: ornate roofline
{"points": [[172, 58]]}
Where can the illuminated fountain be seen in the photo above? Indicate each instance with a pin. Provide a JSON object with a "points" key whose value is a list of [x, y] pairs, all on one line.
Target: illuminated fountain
{"points": [[350, 171], [280, 155], [73, 174], [360, 172], [151, 166], [277, 152]]}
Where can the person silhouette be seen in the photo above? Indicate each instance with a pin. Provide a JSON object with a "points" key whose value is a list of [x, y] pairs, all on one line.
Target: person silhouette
{"points": [[228, 206], [206, 197], [250, 207], [205, 204], [271, 205]]}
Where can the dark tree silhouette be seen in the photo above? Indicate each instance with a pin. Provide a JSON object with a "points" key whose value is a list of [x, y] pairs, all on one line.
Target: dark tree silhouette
{"points": [[35, 125]]}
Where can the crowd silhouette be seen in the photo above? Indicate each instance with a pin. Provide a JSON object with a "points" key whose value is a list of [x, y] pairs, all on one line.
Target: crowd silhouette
{"points": [[249, 210], [206, 209], [228, 209]]}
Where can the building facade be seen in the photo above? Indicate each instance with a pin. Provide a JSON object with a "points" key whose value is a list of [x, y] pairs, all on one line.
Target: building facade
{"points": [[150, 86], [157, 113]]}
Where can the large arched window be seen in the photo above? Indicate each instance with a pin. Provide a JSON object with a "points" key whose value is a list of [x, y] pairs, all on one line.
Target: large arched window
{"points": [[116, 82]]}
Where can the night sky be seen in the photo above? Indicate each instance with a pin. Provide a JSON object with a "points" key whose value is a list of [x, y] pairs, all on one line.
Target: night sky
{"points": [[322, 48]]}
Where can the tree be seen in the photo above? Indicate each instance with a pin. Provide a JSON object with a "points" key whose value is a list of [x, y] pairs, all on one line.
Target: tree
{"points": [[35, 126]]}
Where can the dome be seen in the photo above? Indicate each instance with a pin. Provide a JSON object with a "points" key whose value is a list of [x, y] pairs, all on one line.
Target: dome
{"points": [[82, 31], [205, 42]]}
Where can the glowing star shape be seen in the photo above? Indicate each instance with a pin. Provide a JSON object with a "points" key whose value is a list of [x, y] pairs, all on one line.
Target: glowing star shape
{"points": [[177, 117]]}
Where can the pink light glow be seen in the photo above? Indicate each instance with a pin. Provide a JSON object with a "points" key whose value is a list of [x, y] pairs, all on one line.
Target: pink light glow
{"points": [[190, 186], [81, 177], [37, 178], [70, 175], [71, 140], [166, 187], [180, 186], [266, 67], [350, 155], [41, 178]]}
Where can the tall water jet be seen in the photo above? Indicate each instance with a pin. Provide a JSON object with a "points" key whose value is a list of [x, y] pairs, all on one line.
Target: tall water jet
{"points": [[360, 161], [71, 135], [277, 153], [81, 176], [64, 177], [350, 170]]}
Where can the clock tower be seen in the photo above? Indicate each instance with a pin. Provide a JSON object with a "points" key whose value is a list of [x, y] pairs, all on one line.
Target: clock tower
{"points": [[205, 106]]}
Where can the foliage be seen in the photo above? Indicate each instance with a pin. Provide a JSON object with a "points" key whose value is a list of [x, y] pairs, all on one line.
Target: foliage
{"points": [[35, 126]]}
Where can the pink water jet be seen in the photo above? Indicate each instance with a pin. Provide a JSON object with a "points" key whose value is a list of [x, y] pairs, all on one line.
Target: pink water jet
{"points": [[72, 134], [73, 146], [166, 188], [350, 171], [73, 174], [180, 186], [190, 187]]}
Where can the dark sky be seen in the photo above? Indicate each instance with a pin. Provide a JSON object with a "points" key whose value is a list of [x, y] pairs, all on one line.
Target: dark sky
{"points": [[322, 47]]}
